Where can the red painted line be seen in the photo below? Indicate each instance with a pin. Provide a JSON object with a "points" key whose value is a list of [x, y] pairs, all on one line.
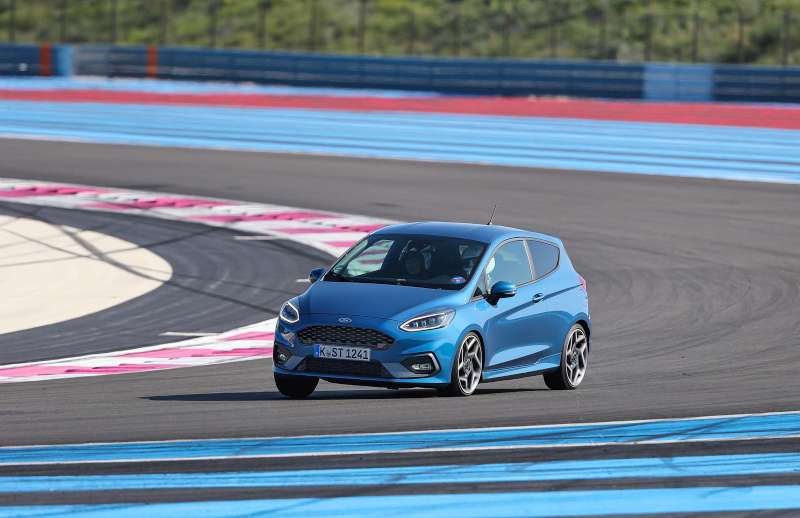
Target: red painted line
{"points": [[331, 229], [173, 353], [247, 351], [274, 216], [119, 369], [250, 335], [158, 203], [52, 370], [313, 230], [47, 191], [747, 115], [152, 62], [360, 228], [177, 353], [45, 59]]}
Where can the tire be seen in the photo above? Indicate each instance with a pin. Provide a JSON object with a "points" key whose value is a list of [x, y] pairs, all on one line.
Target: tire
{"points": [[467, 368], [295, 387], [574, 361]]}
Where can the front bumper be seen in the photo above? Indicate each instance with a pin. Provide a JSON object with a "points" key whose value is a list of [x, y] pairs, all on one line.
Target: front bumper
{"points": [[387, 365]]}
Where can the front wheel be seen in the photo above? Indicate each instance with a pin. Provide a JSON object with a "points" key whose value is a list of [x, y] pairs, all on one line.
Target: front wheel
{"points": [[467, 367], [574, 361], [295, 387]]}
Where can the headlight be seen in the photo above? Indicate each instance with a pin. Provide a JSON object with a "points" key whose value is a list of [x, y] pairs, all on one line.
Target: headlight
{"points": [[430, 321], [289, 313]]}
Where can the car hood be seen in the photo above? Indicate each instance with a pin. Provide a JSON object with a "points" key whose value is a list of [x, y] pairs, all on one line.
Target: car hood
{"points": [[386, 301]]}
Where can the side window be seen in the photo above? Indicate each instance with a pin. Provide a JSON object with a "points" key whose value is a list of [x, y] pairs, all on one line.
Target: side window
{"points": [[545, 257], [370, 259], [510, 263], [480, 289]]}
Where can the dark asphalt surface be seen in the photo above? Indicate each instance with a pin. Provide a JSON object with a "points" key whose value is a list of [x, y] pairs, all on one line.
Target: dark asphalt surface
{"points": [[694, 289], [339, 490], [217, 284]]}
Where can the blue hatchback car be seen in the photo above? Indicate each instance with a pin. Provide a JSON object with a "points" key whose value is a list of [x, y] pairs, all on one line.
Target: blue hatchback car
{"points": [[438, 305]]}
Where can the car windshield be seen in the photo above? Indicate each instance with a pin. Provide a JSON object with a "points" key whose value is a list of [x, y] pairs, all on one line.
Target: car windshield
{"points": [[409, 260]]}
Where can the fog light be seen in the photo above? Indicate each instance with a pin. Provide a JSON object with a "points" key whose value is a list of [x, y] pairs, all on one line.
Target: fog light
{"points": [[423, 364], [281, 355]]}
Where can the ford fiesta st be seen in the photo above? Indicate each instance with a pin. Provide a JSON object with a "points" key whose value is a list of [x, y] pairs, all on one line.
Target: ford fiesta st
{"points": [[438, 305]]}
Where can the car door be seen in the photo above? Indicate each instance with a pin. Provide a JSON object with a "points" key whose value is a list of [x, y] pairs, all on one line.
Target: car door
{"points": [[551, 322], [509, 321]]}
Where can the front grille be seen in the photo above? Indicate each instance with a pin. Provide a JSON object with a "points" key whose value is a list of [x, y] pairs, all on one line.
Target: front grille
{"points": [[346, 367], [345, 335]]}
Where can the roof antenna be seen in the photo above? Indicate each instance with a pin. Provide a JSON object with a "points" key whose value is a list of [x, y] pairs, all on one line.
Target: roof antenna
{"points": [[491, 218]]}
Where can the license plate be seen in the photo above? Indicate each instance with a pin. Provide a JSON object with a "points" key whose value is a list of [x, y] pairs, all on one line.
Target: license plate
{"points": [[338, 352]]}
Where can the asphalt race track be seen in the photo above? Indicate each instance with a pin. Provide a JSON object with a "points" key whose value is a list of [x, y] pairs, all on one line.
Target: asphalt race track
{"points": [[694, 289], [217, 283]]}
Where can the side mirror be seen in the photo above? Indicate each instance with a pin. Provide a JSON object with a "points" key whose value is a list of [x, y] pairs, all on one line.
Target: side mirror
{"points": [[315, 274], [502, 290]]}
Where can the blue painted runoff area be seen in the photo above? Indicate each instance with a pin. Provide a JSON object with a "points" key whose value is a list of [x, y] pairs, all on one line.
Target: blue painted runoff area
{"points": [[473, 505], [724, 428], [595, 469], [717, 152]]}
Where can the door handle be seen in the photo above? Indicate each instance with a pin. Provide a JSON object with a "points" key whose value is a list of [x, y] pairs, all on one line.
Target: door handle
{"points": [[538, 297]]}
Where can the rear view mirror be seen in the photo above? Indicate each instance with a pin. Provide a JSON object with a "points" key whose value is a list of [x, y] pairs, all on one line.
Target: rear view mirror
{"points": [[315, 274], [502, 290]]}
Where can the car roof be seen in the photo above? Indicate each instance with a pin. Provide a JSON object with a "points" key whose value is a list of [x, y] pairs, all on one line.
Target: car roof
{"points": [[473, 231]]}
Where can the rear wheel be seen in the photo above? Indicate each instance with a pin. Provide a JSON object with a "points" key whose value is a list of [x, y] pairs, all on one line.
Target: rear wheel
{"points": [[574, 361], [467, 367], [295, 387]]}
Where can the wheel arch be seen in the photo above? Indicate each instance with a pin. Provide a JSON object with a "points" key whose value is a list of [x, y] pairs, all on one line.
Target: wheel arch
{"points": [[587, 328]]}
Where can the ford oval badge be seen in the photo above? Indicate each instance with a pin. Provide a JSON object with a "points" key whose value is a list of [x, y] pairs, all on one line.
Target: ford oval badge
{"points": [[345, 320]]}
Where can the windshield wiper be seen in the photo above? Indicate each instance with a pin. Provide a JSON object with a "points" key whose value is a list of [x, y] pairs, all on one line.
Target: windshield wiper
{"points": [[339, 277], [373, 281]]}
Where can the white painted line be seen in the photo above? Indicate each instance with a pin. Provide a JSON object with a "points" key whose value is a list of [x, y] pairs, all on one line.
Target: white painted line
{"points": [[302, 281], [440, 430], [399, 451]]}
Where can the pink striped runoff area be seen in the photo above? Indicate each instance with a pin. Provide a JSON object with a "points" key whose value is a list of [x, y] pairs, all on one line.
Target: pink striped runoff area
{"points": [[329, 232]]}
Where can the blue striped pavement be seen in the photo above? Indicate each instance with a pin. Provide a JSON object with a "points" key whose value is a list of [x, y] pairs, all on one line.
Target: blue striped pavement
{"points": [[718, 152], [596, 469], [724, 428], [472, 505]]}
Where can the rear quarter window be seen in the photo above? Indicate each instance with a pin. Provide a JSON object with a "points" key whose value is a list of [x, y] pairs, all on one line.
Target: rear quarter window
{"points": [[545, 257]]}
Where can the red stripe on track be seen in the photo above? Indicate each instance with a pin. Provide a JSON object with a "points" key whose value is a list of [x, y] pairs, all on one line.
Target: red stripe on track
{"points": [[178, 353], [158, 203], [250, 335], [768, 116], [275, 216], [36, 190], [53, 370]]}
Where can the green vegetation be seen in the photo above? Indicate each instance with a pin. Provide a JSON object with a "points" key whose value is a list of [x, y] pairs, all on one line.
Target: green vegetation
{"points": [[729, 31]]}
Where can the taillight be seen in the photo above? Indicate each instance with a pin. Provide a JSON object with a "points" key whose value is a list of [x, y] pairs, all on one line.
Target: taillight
{"points": [[583, 283]]}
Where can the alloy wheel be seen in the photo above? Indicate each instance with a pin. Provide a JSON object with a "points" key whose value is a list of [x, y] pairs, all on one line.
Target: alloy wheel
{"points": [[577, 356], [470, 364]]}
